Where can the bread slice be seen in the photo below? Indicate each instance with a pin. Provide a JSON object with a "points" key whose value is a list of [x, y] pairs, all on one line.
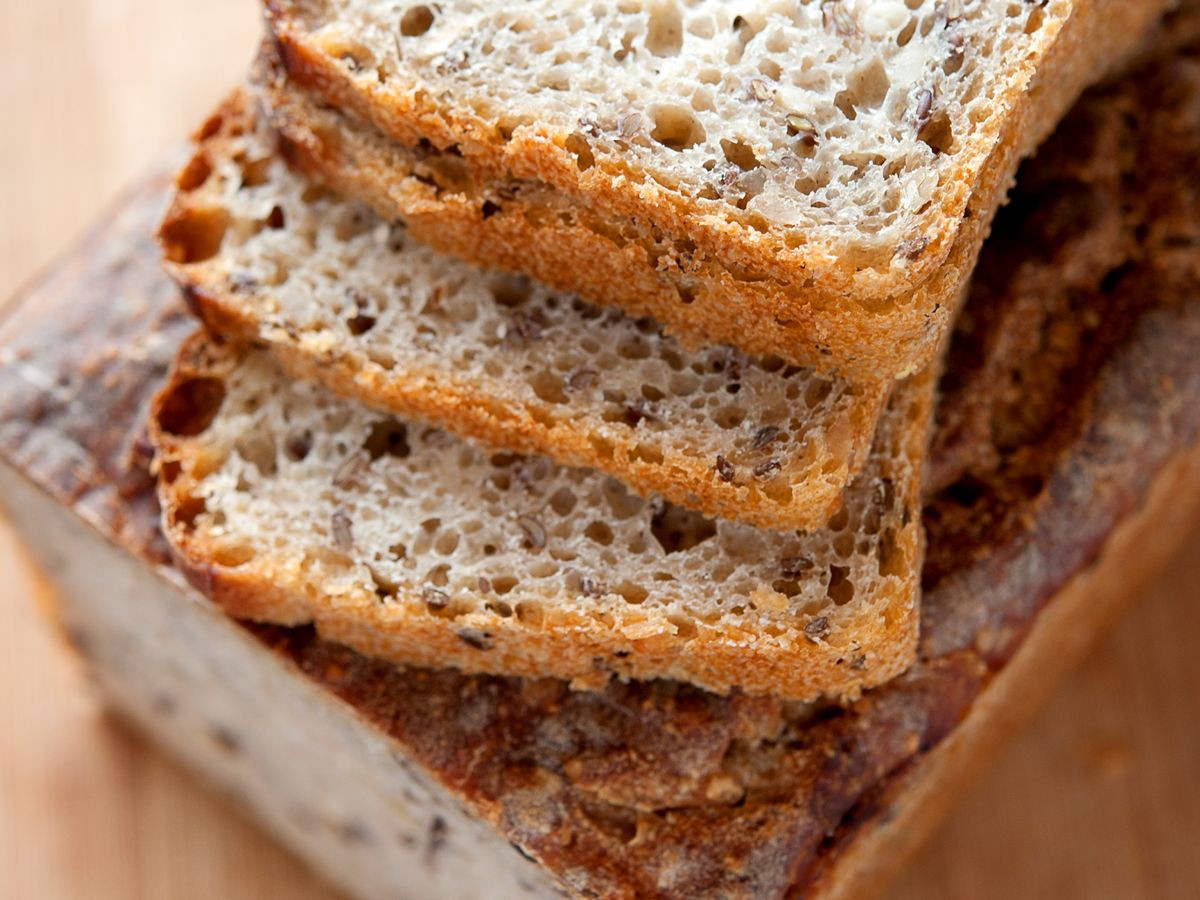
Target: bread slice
{"points": [[292, 505], [340, 296], [806, 180]]}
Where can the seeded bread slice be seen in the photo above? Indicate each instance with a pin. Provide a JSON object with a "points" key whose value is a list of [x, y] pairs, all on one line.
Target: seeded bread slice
{"points": [[811, 180], [292, 505], [341, 296]]}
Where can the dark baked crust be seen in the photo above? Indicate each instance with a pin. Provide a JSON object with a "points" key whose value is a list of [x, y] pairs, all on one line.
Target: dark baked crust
{"points": [[662, 790], [83, 351]]}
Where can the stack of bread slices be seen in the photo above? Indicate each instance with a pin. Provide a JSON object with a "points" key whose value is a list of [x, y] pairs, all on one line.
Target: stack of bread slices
{"points": [[593, 341]]}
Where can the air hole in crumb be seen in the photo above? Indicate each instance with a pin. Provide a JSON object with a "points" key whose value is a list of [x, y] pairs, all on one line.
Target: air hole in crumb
{"points": [[578, 146], [870, 86], [677, 529], [600, 533], [257, 447], [647, 453], [276, 218], [729, 417], [500, 608], [633, 593], [676, 128], [416, 21], [256, 171], [195, 174], [966, 492], [504, 584], [214, 124], [384, 586], [188, 510], [195, 236], [360, 323], [740, 154], [614, 822], [191, 406], [664, 31], [841, 588], [789, 587], [446, 543], [388, 436], [684, 627], [844, 101], [937, 132], [634, 348], [563, 501], [511, 290], [549, 387], [233, 557], [529, 614], [891, 560]]}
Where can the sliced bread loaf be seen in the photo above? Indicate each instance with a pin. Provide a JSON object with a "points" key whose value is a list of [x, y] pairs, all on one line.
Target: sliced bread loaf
{"points": [[343, 297], [807, 179], [290, 505]]}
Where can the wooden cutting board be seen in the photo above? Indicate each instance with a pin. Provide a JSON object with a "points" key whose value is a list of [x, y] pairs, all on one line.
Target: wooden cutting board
{"points": [[1098, 799]]}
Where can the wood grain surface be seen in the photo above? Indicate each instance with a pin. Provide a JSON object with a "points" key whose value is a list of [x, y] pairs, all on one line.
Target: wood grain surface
{"points": [[1100, 798]]}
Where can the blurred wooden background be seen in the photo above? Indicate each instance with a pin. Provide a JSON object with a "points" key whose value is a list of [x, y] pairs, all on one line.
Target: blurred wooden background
{"points": [[1099, 799]]}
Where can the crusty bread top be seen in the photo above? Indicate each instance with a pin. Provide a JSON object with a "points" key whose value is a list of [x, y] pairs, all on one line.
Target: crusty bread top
{"points": [[341, 296], [918, 118], [293, 505]]}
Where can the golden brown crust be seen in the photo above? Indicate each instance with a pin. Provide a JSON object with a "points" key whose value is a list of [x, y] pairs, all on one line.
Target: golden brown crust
{"points": [[462, 408], [805, 304], [570, 642], [96, 331]]}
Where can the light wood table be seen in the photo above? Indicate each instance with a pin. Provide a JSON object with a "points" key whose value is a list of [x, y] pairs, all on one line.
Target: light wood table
{"points": [[1099, 799]]}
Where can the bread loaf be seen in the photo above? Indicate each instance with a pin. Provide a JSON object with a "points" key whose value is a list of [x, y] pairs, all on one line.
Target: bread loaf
{"points": [[1079, 340]]}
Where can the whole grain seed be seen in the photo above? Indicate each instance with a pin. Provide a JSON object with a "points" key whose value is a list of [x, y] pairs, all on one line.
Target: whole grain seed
{"points": [[434, 599], [764, 436], [582, 379], [768, 469], [534, 532], [343, 537], [924, 106], [817, 628], [472, 637], [725, 469], [796, 566]]}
